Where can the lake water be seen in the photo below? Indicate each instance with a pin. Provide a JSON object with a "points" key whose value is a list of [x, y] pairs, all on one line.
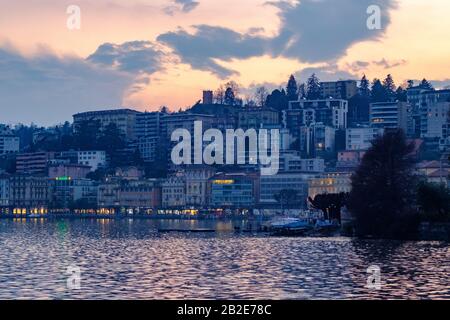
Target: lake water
{"points": [[129, 259]]}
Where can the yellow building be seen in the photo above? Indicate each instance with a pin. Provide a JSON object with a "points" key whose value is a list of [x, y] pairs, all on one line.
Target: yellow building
{"points": [[331, 182]]}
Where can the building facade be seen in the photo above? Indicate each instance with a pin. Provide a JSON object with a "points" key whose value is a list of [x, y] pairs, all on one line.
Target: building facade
{"points": [[9, 144], [270, 186], [35, 163], [389, 115], [330, 183], [124, 119], [173, 192], [237, 191], [344, 89], [29, 194], [361, 138], [94, 158]]}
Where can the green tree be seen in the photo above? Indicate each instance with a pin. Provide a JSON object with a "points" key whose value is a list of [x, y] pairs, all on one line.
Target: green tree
{"points": [[86, 134], [230, 98], [378, 92], [330, 204], [426, 85], [313, 88], [389, 87], [434, 200], [292, 89], [400, 94], [364, 89], [277, 100], [383, 187]]}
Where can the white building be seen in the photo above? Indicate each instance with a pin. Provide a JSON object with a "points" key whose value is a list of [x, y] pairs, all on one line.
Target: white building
{"points": [[330, 112], [94, 158], [173, 192], [9, 144], [389, 115], [197, 185], [434, 109], [361, 138], [291, 161]]}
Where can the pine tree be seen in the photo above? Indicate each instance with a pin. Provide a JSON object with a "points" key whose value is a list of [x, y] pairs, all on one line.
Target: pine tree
{"points": [[383, 187], [313, 88], [292, 89], [302, 91], [229, 97], [410, 84], [426, 85], [378, 92], [389, 87], [364, 89], [400, 94]]}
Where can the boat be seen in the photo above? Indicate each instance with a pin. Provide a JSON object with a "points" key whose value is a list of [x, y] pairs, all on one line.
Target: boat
{"points": [[287, 222], [288, 226]]}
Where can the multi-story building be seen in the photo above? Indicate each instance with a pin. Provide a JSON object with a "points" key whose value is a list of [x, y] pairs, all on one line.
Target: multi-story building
{"points": [[149, 124], [173, 192], [187, 121], [92, 158], [434, 112], [198, 185], [4, 190], [292, 162], [343, 89], [35, 163], [72, 192], [317, 139], [414, 101], [108, 194], [257, 118], [389, 115], [72, 170], [271, 186], [29, 194], [330, 112], [150, 129], [330, 183], [349, 160], [361, 138], [234, 190], [124, 119], [132, 196], [144, 194], [9, 144]]}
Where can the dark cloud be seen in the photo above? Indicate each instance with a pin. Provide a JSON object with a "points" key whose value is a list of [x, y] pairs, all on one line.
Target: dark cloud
{"points": [[45, 88], [184, 6], [386, 64], [208, 43], [133, 56], [323, 30], [311, 31], [187, 5]]}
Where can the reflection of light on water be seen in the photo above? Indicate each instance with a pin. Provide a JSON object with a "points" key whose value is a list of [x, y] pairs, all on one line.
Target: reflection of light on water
{"points": [[130, 260]]}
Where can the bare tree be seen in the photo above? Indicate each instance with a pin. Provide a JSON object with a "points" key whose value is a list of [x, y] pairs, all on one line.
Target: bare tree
{"points": [[261, 94]]}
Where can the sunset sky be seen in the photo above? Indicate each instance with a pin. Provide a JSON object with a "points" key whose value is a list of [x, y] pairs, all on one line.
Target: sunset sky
{"points": [[148, 53]]}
